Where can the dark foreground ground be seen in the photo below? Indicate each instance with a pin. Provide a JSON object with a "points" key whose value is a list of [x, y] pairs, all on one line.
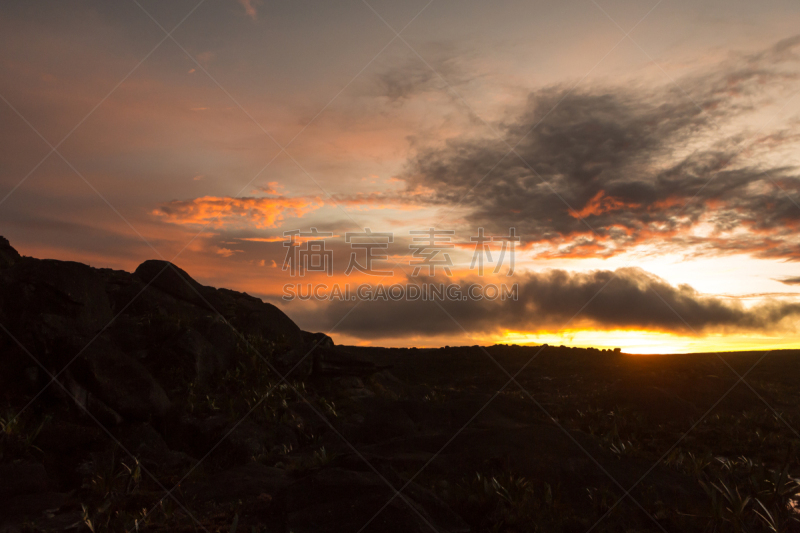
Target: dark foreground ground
{"points": [[147, 402], [556, 450]]}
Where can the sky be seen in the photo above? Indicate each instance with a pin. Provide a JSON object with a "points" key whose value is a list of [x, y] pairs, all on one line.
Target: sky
{"points": [[644, 153]]}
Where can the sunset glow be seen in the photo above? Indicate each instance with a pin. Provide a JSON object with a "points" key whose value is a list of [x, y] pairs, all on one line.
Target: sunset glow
{"points": [[652, 178]]}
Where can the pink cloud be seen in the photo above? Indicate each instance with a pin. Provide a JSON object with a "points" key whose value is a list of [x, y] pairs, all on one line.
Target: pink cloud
{"points": [[249, 7]]}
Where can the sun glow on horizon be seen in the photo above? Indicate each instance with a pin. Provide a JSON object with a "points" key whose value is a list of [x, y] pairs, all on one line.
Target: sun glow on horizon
{"points": [[651, 342], [633, 342]]}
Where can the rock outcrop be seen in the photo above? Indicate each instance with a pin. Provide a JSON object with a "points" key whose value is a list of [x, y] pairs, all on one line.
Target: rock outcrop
{"points": [[120, 337], [140, 379]]}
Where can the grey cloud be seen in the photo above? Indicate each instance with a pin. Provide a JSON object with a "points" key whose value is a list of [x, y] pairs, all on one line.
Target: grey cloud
{"points": [[625, 165], [628, 298], [399, 77]]}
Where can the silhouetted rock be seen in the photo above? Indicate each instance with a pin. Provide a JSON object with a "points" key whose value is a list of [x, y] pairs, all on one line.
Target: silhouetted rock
{"points": [[144, 442], [172, 280], [251, 316], [8, 255], [226, 342], [301, 361], [318, 339], [208, 360], [297, 363], [52, 307], [72, 391], [146, 332], [122, 382]]}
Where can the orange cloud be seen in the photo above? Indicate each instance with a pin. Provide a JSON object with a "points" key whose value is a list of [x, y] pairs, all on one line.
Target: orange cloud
{"points": [[599, 204], [264, 212], [263, 239], [278, 238], [225, 252]]}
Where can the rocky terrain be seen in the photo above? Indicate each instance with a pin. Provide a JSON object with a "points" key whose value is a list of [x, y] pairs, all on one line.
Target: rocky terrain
{"points": [[146, 401]]}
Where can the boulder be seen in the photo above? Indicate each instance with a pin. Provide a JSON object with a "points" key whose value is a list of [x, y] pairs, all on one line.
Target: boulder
{"points": [[318, 339], [121, 382], [248, 315], [176, 282], [254, 318], [206, 359], [145, 443], [295, 363], [225, 340], [46, 302], [72, 391], [62, 436], [301, 360], [158, 319]]}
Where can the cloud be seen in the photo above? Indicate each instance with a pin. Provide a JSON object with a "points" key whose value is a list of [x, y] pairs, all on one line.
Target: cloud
{"points": [[222, 212], [790, 281], [217, 211], [382, 200], [628, 299], [225, 252], [250, 7], [615, 167], [403, 77]]}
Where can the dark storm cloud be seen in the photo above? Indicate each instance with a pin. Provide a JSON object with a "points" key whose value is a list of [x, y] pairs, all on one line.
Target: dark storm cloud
{"points": [[629, 298], [790, 281], [617, 166]]}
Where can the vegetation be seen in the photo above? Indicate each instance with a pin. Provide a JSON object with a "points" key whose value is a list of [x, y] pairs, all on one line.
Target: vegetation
{"points": [[732, 469]]}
